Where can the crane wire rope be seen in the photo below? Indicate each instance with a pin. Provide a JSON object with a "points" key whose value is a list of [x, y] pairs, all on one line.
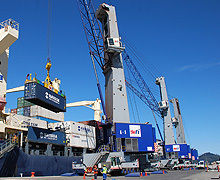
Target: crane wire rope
{"points": [[154, 72], [131, 105], [49, 29], [157, 125], [152, 87], [86, 7], [133, 97]]}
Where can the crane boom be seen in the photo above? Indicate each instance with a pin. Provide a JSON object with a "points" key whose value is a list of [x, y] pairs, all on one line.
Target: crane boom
{"points": [[94, 39], [147, 95], [180, 135]]}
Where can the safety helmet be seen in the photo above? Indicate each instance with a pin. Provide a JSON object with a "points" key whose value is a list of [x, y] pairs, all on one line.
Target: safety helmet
{"points": [[104, 165]]}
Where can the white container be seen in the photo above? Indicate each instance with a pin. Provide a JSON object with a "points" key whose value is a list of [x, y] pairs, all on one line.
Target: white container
{"points": [[24, 121], [72, 127], [76, 140], [42, 112]]}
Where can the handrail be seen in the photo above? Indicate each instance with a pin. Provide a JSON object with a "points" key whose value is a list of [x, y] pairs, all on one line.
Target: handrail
{"points": [[9, 22], [5, 146]]}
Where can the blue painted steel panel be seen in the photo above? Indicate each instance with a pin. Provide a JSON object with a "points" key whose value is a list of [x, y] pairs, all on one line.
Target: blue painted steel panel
{"points": [[1, 77], [184, 153], [44, 97], [194, 153], [182, 149], [154, 135], [46, 119], [46, 136], [143, 132]]}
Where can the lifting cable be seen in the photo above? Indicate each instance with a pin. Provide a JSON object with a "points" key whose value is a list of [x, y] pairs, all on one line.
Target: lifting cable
{"points": [[131, 105], [157, 126], [129, 96], [133, 97], [49, 30]]}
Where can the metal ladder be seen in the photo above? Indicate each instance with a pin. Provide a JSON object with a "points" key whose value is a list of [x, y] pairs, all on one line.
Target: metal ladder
{"points": [[6, 146], [103, 148]]}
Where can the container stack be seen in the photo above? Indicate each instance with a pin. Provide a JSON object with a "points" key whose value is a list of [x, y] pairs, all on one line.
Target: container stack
{"points": [[28, 109], [77, 134]]}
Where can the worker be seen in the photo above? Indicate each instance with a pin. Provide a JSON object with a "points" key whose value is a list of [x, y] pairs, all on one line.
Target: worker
{"points": [[14, 140], [104, 172], [95, 170]]}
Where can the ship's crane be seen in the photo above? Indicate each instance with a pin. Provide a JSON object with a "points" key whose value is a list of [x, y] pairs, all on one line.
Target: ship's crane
{"points": [[94, 105], [178, 122], [9, 31]]}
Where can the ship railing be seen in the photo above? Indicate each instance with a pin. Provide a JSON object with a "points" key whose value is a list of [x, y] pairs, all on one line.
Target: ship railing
{"points": [[6, 146], [58, 153], [9, 22], [103, 148]]}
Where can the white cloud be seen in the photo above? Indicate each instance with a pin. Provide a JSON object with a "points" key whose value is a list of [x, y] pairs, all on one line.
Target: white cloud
{"points": [[198, 67]]}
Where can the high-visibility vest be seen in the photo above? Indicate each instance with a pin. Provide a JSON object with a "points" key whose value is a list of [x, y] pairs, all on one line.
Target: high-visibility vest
{"points": [[104, 170], [95, 171]]}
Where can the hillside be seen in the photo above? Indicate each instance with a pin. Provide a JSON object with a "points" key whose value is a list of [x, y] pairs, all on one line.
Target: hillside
{"points": [[210, 157]]}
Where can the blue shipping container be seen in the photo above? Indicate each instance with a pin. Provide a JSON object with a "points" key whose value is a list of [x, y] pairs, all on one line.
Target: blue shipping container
{"points": [[20, 111], [46, 136], [46, 119], [143, 132], [27, 111], [44, 97], [182, 149]]}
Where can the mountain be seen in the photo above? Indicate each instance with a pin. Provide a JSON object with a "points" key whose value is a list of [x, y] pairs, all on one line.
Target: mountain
{"points": [[210, 157]]}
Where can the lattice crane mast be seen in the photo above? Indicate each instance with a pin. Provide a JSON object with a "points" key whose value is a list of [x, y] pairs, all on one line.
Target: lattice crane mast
{"points": [[94, 39], [145, 93]]}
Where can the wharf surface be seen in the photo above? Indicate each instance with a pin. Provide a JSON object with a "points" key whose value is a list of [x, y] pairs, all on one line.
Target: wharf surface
{"points": [[171, 175]]}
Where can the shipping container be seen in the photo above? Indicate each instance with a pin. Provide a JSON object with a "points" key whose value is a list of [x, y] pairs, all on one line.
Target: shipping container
{"points": [[45, 119], [20, 102], [77, 140], [46, 136], [44, 97], [20, 111], [23, 103], [135, 136], [27, 111], [42, 112], [14, 111], [23, 121], [76, 128], [99, 130]]}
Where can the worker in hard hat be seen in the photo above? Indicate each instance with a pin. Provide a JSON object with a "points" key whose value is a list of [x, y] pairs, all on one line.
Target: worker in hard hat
{"points": [[104, 172], [95, 170]]}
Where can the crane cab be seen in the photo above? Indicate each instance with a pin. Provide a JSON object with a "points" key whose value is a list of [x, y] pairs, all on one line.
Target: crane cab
{"points": [[163, 105], [113, 45]]}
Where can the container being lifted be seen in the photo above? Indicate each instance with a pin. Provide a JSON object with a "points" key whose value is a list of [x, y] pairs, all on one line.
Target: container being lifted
{"points": [[46, 94]]}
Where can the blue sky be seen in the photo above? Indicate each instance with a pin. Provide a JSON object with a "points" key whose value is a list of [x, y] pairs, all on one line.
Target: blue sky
{"points": [[178, 38]]}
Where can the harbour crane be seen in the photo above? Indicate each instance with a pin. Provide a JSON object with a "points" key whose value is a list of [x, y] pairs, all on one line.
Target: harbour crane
{"points": [[9, 31], [105, 49], [178, 122]]}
